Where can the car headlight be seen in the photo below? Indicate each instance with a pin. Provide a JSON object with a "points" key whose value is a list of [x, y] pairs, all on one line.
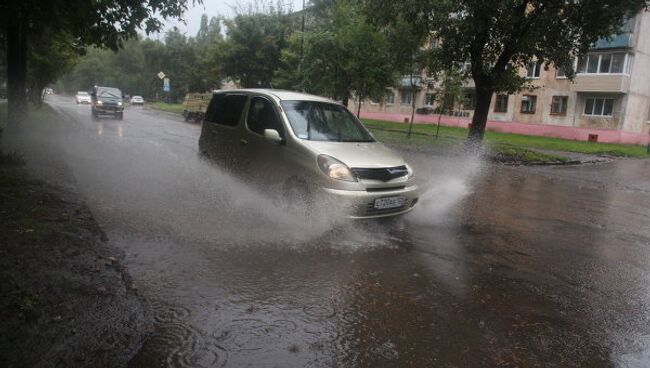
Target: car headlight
{"points": [[99, 103], [411, 173], [335, 169], [119, 104]]}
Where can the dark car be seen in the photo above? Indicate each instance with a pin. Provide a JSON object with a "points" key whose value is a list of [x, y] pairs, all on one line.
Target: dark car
{"points": [[107, 101]]}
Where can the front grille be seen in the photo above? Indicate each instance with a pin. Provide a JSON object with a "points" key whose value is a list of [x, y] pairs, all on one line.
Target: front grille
{"points": [[383, 174]]}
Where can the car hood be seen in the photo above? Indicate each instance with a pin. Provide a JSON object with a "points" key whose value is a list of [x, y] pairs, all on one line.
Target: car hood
{"points": [[357, 154]]}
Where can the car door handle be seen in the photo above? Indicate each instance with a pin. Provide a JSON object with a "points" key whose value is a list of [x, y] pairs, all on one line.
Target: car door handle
{"points": [[243, 142]]}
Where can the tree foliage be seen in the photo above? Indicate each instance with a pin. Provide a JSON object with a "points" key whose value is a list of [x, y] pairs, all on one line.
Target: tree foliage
{"points": [[254, 43], [105, 24], [189, 62], [339, 54]]}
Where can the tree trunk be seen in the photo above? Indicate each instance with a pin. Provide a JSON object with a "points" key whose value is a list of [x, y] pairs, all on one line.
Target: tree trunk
{"points": [[346, 99], [412, 110], [16, 66], [359, 106], [479, 120]]}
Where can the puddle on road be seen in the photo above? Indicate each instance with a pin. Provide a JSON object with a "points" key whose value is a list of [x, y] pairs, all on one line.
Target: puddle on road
{"points": [[234, 282]]}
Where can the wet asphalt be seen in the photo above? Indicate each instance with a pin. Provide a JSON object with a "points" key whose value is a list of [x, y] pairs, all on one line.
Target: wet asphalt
{"points": [[498, 267]]}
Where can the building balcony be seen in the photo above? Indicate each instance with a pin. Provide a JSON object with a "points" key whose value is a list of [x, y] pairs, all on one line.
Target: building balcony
{"points": [[608, 83], [623, 40]]}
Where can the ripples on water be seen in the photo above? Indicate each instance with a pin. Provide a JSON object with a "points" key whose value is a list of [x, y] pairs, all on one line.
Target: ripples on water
{"points": [[189, 214]]}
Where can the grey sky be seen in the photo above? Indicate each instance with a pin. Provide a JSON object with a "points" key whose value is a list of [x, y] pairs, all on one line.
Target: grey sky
{"points": [[218, 7]]}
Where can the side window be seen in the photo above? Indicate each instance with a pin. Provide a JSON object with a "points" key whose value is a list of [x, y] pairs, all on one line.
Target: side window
{"points": [[213, 107], [261, 115], [225, 109]]}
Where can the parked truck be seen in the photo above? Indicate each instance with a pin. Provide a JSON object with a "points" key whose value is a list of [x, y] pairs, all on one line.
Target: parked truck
{"points": [[194, 106]]}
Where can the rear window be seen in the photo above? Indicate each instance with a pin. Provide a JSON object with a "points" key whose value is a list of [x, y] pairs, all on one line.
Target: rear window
{"points": [[225, 109]]}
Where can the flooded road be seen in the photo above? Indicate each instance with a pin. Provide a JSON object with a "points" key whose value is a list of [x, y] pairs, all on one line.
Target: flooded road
{"points": [[510, 267]]}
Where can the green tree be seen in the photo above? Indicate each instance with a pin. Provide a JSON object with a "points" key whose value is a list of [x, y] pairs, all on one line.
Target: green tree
{"points": [[500, 36], [208, 47], [253, 46], [104, 23], [340, 54], [49, 57]]}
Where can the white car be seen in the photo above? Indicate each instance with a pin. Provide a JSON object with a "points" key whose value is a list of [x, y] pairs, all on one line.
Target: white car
{"points": [[137, 100], [82, 97]]}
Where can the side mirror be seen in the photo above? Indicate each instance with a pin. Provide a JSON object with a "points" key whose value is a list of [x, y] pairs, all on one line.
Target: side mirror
{"points": [[273, 136]]}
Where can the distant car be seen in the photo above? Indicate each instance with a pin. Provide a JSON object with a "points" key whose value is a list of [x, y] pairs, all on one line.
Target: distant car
{"points": [[49, 91], [82, 97], [306, 149], [107, 101], [137, 100]]}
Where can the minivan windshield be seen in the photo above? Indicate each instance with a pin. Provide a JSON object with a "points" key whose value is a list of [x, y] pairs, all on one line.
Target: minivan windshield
{"points": [[322, 121], [82, 93]]}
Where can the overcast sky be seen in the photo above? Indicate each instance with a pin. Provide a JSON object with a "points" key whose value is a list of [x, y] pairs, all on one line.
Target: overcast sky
{"points": [[218, 7]]}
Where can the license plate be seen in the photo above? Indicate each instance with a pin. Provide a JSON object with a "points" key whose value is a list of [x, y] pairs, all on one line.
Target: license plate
{"points": [[389, 202]]}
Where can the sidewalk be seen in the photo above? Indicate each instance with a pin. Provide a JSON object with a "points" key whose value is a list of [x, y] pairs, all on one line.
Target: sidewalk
{"points": [[65, 299]]}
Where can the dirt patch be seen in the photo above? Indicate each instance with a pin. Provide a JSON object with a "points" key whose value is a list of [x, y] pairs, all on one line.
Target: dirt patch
{"points": [[65, 300]]}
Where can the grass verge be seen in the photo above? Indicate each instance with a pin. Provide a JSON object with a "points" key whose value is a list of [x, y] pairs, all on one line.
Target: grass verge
{"points": [[502, 142], [175, 108]]}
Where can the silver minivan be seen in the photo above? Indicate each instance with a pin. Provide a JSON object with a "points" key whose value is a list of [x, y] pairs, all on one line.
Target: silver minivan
{"points": [[306, 150]]}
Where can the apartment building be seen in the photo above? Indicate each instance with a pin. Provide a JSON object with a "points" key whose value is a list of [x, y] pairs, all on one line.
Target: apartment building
{"points": [[611, 90]]}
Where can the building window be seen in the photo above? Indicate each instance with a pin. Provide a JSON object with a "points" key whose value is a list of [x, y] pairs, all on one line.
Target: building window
{"points": [[428, 99], [559, 105], [434, 43], [599, 106], [560, 72], [469, 101], [528, 104], [501, 103], [603, 64], [533, 70], [389, 98], [406, 97]]}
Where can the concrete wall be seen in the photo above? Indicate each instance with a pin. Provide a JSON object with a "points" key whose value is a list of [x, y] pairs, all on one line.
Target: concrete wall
{"points": [[637, 110]]}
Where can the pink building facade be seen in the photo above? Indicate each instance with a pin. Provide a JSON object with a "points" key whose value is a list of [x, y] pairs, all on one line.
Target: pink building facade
{"points": [[608, 99]]}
